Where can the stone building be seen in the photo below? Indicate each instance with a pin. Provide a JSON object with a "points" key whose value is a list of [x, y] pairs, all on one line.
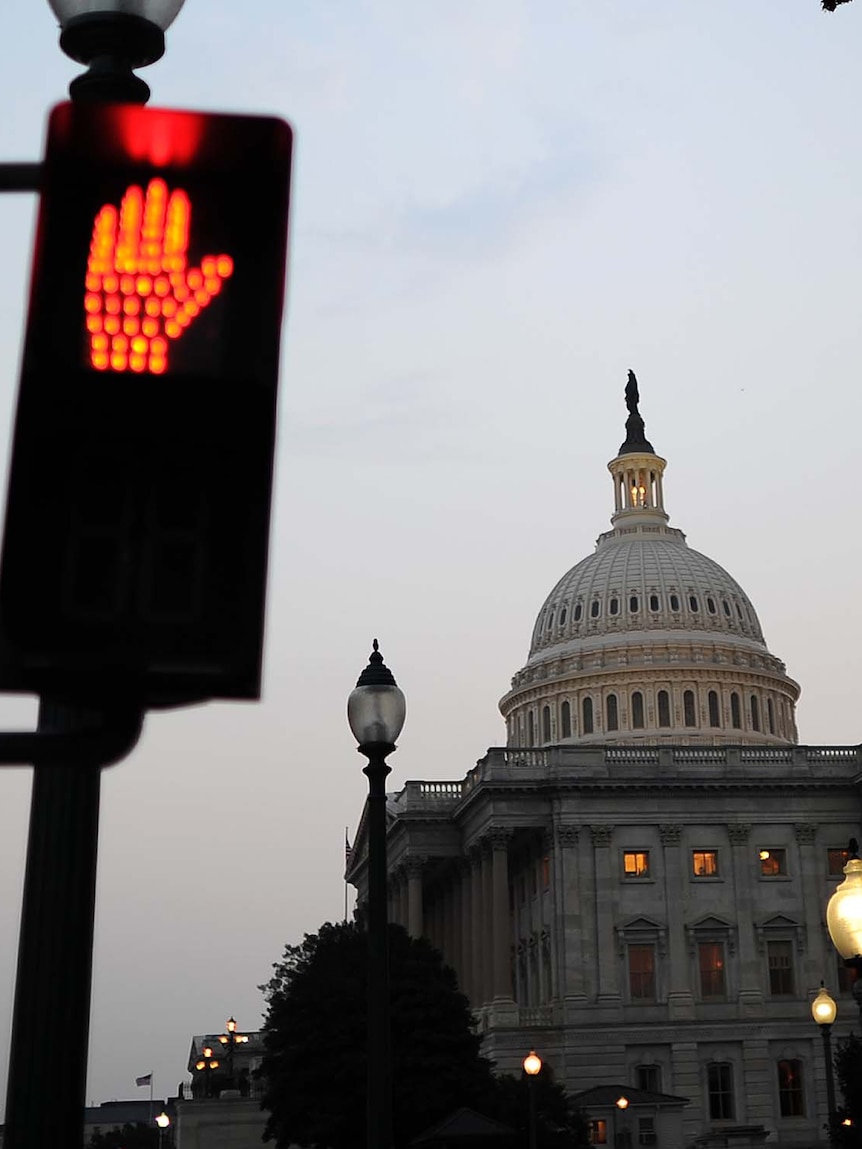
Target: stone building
{"points": [[635, 884]]}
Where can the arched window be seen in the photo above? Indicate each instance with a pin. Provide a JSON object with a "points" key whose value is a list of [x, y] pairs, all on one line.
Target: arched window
{"points": [[550, 621], [735, 715], [674, 602], [654, 603], [614, 606], [688, 714], [566, 719], [637, 710], [578, 612], [719, 1084], [531, 729], [770, 715], [755, 713], [694, 605], [612, 716], [710, 604], [587, 724], [663, 708], [563, 616], [594, 608], [712, 701], [634, 604], [791, 1095], [546, 724], [726, 607]]}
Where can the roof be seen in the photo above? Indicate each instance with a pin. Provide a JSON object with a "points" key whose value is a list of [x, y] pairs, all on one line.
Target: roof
{"points": [[463, 1123], [604, 1095]]}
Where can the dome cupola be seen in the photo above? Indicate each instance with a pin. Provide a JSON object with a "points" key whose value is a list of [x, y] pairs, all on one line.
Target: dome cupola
{"points": [[647, 640]]}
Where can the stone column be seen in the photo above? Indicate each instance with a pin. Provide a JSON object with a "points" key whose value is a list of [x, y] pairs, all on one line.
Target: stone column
{"points": [[750, 970], [415, 922], [568, 937], [476, 925], [500, 838], [454, 951], [680, 1003], [604, 902], [466, 975], [487, 921]]}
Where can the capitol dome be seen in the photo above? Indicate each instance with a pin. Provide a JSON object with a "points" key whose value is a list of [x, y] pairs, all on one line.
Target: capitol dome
{"points": [[647, 640]]}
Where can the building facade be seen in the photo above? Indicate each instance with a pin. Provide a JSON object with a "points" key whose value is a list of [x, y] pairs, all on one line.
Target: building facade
{"points": [[635, 885]]}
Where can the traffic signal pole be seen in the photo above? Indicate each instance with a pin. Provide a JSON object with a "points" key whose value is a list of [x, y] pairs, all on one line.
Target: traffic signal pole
{"points": [[51, 1015]]}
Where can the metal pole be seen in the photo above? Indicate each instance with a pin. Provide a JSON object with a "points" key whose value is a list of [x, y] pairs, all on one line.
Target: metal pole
{"points": [[830, 1075], [531, 1084], [379, 1097]]}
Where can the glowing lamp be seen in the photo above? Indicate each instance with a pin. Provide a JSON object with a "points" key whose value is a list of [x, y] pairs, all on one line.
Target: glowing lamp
{"points": [[532, 1063], [622, 1103], [376, 708], [223, 1039], [844, 912], [162, 1120], [823, 1008], [208, 1051], [231, 1024], [200, 1065]]}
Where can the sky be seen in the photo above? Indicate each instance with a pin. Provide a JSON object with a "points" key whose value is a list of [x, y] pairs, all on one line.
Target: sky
{"points": [[498, 208]]}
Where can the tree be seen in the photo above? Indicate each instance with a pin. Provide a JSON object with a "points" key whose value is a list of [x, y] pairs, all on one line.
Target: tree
{"points": [[137, 1136], [315, 1038], [831, 5], [559, 1123], [848, 1076]]}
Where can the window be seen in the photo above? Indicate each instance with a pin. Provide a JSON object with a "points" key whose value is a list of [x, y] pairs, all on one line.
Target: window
{"points": [[704, 863], [594, 608], [710, 605], [636, 863], [712, 701], [648, 1078], [646, 1131], [779, 958], [735, 719], [726, 607], [634, 604], [566, 720], [694, 605], [674, 602], [688, 708], [773, 863], [755, 713], [846, 976], [642, 972], [654, 602], [770, 714], [614, 606], [550, 621], [579, 610], [791, 1099], [836, 860], [710, 960], [637, 710], [546, 724], [663, 708], [612, 712], [531, 729], [564, 614], [599, 1131], [739, 612], [587, 724], [719, 1085]]}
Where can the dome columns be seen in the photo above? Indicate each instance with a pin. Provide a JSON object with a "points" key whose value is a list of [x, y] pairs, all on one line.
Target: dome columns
{"points": [[638, 488]]}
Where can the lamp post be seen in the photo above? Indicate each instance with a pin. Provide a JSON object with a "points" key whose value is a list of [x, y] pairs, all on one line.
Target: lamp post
{"points": [[844, 918], [229, 1040], [621, 1138], [532, 1065], [163, 1122], [207, 1064], [376, 710], [824, 1010], [55, 943], [113, 37]]}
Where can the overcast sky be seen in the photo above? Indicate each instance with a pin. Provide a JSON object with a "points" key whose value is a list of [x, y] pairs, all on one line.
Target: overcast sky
{"points": [[499, 206]]}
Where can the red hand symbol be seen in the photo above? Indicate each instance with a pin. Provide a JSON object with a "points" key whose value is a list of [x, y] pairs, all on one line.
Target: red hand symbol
{"points": [[139, 292]]}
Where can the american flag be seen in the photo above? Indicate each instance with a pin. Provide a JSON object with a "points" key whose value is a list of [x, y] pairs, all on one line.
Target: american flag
{"points": [[348, 849]]}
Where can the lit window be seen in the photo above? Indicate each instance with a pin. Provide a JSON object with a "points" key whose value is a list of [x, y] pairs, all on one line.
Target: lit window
{"points": [[773, 863], [636, 863], [710, 958], [612, 713], [712, 700], [704, 863], [791, 1097], [642, 972], [779, 958], [836, 860], [663, 708], [719, 1083], [599, 1131], [637, 710]]}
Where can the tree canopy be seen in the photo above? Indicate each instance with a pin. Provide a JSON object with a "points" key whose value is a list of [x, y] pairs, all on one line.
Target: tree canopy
{"points": [[848, 1078], [131, 1136], [831, 5], [315, 1037]]}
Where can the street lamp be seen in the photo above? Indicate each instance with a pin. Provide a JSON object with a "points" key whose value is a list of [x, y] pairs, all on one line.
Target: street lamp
{"points": [[824, 1010], [113, 37], [844, 918], [163, 1122], [532, 1065], [229, 1041], [375, 711], [207, 1064], [622, 1104]]}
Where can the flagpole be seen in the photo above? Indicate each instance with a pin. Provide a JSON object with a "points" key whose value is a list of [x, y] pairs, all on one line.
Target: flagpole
{"points": [[346, 859], [151, 1099]]}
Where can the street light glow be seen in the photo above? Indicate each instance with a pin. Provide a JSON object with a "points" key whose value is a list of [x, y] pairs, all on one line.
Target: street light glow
{"points": [[532, 1063]]}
